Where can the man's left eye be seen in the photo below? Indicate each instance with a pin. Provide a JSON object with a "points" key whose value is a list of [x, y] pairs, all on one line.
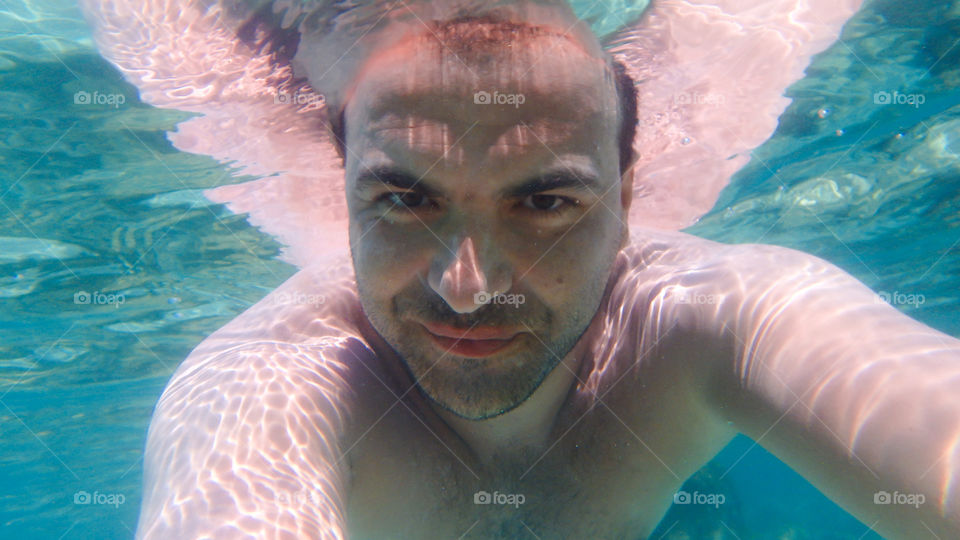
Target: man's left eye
{"points": [[546, 203]]}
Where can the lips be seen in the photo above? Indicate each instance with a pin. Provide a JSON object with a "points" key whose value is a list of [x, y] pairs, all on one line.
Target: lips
{"points": [[475, 333], [472, 342]]}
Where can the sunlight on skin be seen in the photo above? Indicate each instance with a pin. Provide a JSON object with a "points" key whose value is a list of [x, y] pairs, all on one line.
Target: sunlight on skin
{"points": [[843, 387], [632, 361], [691, 303]]}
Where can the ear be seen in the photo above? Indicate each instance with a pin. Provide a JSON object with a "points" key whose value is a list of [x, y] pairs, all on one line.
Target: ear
{"points": [[626, 198]]}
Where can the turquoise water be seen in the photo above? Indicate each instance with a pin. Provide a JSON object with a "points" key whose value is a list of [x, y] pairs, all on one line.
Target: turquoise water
{"points": [[94, 199]]}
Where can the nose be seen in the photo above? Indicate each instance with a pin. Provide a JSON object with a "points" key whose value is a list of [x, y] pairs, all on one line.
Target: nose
{"points": [[463, 282]]}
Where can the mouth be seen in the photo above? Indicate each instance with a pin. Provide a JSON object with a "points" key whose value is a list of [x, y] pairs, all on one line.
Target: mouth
{"points": [[476, 342]]}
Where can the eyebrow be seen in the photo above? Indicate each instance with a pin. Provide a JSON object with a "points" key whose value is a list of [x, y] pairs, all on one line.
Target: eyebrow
{"points": [[561, 177], [379, 176]]}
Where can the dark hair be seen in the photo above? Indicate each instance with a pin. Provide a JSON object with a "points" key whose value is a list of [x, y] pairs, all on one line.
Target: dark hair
{"points": [[626, 90], [627, 96]]}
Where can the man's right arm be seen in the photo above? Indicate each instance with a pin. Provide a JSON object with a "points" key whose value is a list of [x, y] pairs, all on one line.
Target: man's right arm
{"points": [[246, 444]]}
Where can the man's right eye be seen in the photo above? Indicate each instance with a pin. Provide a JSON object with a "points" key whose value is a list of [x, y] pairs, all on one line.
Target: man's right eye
{"points": [[404, 200]]}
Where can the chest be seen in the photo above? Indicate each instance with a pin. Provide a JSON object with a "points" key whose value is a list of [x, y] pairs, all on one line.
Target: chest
{"points": [[597, 480]]}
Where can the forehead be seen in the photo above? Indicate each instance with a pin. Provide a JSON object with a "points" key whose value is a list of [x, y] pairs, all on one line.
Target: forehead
{"points": [[425, 93]]}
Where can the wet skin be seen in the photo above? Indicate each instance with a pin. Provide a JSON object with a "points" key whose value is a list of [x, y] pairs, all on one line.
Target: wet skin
{"points": [[449, 199]]}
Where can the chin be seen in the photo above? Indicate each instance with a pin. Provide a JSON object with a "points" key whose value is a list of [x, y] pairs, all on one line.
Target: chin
{"points": [[478, 389]]}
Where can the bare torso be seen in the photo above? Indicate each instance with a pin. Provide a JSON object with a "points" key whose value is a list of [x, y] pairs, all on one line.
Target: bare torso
{"points": [[609, 468], [600, 480], [635, 425]]}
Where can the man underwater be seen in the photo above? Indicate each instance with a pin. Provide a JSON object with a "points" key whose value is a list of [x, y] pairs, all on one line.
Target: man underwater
{"points": [[509, 359]]}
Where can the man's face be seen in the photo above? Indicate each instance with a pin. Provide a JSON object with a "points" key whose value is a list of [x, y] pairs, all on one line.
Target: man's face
{"points": [[455, 196]]}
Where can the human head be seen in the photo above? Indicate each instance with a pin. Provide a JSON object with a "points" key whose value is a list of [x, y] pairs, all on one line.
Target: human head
{"points": [[450, 197]]}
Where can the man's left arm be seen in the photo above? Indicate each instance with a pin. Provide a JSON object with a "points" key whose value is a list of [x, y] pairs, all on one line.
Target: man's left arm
{"points": [[859, 398]]}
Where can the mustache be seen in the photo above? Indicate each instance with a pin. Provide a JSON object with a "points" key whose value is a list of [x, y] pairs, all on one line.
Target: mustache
{"points": [[431, 307]]}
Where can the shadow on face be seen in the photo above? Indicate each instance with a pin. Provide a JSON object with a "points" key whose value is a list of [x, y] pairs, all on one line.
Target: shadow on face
{"points": [[486, 203]]}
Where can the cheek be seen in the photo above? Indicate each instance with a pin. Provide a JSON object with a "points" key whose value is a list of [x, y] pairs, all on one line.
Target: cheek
{"points": [[572, 268], [385, 261]]}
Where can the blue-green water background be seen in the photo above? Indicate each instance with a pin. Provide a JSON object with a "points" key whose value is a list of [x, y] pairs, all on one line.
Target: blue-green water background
{"points": [[94, 198]]}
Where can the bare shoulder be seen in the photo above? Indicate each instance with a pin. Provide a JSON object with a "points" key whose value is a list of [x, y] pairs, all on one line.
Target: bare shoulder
{"points": [[692, 275], [312, 306], [248, 437], [674, 254], [686, 307]]}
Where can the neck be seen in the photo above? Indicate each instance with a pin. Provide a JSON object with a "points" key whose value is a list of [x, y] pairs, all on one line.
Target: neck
{"points": [[528, 426]]}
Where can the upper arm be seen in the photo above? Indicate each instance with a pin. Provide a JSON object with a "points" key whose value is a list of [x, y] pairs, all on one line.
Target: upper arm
{"points": [[247, 445]]}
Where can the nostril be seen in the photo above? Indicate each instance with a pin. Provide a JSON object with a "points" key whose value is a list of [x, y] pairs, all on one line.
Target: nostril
{"points": [[464, 276], [459, 279]]}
